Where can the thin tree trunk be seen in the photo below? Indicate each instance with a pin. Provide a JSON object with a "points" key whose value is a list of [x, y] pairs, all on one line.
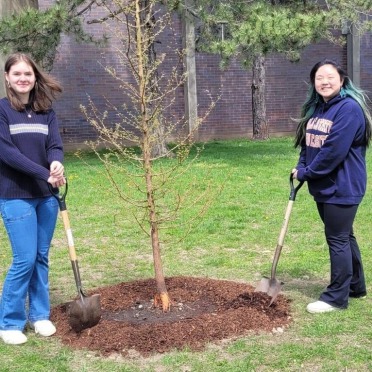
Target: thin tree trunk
{"points": [[161, 296], [260, 127]]}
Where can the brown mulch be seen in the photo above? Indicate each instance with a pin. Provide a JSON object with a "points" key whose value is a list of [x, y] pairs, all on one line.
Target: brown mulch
{"points": [[203, 311]]}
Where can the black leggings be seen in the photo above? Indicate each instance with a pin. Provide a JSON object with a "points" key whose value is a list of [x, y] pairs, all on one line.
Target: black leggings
{"points": [[347, 274]]}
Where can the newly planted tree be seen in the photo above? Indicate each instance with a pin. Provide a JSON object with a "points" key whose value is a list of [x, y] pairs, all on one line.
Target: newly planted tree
{"points": [[142, 181], [146, 121]]}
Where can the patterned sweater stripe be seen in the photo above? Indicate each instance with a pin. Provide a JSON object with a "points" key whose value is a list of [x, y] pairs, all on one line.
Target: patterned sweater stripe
{"points": [[28, 128]]}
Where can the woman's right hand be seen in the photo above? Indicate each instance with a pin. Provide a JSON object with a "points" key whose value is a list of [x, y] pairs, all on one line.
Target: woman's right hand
{"points": [[57, 181], [56, 178]]}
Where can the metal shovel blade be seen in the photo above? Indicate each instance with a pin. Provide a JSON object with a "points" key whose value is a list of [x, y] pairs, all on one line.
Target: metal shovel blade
{"points": [[270, 286], [84, 312]]}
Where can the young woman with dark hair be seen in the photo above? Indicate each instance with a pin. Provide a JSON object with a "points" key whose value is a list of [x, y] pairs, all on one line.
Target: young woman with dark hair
{"points": [[333, 133]]}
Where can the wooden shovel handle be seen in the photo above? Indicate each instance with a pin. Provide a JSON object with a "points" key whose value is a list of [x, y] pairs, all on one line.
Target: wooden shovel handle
{"points": [[283, 231]]}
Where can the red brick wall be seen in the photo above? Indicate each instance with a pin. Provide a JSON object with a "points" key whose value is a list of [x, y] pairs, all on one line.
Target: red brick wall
{"points": [[79, 68], [366, 63]]}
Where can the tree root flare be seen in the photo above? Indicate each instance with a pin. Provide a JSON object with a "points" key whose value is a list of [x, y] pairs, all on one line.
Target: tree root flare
{"points": [[162, 300]]}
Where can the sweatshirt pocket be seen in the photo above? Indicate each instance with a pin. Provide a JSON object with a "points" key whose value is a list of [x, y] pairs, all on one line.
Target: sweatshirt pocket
{"points": [[323, 187]]}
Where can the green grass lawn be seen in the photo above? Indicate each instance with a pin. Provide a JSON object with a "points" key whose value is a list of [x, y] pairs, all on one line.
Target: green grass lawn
{"points": [[247, 194]]}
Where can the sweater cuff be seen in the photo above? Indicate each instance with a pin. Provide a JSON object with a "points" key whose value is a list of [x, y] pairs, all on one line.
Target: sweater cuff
{"points": [[45, 175]]}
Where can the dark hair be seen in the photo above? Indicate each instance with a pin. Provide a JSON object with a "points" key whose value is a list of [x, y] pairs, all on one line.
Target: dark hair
{"points": [[44, 92], [348, 89], [324, 62]]}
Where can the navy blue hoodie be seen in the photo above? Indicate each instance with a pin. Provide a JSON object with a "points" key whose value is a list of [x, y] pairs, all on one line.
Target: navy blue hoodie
{"points": [[332, 157]]}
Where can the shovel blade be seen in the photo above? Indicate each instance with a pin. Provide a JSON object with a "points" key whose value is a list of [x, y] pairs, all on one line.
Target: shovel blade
{"points": [[84, 312], [271, 286], [263, 285]]}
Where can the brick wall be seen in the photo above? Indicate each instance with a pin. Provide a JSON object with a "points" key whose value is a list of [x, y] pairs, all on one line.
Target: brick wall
{"points": [[80, 69], [366, 63]]}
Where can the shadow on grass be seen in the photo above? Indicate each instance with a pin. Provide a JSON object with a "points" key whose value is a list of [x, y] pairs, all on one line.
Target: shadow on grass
{"points": [[311, 288]]}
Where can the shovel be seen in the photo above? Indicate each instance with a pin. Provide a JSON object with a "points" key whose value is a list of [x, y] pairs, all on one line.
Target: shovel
{"points": [[86, 311], [272, 286]]}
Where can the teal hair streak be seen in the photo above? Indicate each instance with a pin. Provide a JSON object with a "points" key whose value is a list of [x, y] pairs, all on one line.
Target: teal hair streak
{"points": [[307, 111]]}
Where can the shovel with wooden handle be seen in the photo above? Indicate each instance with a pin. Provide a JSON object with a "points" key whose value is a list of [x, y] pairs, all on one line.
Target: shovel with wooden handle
{"points": [[272, 286], [86, 311]]}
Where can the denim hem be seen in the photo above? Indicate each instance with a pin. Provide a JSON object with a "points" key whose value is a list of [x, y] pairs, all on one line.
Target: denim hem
{"points": [[33, 320], [12, 329]]}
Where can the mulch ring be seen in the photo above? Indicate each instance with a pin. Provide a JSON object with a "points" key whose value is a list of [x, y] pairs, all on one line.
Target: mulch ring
{"points": [[203, 311]]}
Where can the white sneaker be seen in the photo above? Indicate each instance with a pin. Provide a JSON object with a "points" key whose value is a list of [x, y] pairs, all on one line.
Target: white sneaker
{"points": [[44, 328], [13, 337], [320, 307]]}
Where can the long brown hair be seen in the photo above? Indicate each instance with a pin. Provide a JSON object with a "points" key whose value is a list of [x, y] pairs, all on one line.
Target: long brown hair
{"points": [[43, 93]]}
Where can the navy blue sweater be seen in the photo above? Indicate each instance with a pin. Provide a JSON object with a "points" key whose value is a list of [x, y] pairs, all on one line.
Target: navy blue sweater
{"points": [[332, 158], [28, 145]]}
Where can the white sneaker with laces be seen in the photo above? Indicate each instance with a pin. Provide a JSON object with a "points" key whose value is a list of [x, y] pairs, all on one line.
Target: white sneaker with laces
{"points": [[320, 307], [13, 337], [44, 328]]}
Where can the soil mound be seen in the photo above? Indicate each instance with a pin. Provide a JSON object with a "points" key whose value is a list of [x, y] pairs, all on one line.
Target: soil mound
{"points": [[203, 311]]}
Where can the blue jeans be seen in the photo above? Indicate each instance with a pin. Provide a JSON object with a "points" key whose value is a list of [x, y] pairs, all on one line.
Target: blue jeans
{"points": [[30, 224]]}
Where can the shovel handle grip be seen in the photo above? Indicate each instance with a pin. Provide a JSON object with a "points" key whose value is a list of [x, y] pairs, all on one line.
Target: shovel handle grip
{"points": [[294, 190], [60, 196]]}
